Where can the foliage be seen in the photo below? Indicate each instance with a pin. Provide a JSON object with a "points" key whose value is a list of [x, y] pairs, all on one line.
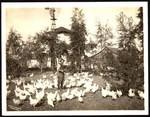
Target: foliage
{"points": [[128, 53], [110, 62], [61, 49], [104, 34], [13, 45], [46, 45], [14, 54], [139, 26], [41, 44], [140, 36], [78, 39]]}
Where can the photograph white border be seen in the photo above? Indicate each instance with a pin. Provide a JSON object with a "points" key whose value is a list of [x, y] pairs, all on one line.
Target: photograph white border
{"points": [[82, 5]]}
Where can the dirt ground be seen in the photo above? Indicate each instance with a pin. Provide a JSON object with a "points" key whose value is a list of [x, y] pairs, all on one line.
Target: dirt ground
{"points": [[92, 101]]}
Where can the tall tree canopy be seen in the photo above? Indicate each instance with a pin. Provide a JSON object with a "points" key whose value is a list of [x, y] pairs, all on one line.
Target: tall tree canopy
{"points": [[14, 44], [140, 37], [46, 40], [128, 52], [78, 39], [14, 49], [104, 34]]}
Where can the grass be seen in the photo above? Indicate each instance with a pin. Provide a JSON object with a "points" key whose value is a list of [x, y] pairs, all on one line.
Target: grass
{"points": [[91, 101]]}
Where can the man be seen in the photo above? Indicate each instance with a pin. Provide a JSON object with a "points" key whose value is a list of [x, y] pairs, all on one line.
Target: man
{"points": [[60, 73]]}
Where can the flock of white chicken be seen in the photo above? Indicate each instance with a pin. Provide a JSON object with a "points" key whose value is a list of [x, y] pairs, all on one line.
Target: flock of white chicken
{"points": [[106, 92], [76, 86]]}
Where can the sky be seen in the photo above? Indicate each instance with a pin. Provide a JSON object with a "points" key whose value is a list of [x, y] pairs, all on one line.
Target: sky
{"points": [[29, 20]]}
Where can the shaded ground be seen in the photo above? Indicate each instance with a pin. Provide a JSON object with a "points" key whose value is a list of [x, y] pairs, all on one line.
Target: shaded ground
{"points": [[91, 101]]}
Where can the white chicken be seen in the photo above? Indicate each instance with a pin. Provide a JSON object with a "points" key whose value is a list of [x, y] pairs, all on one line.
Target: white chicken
{"points": [[40, 95], [101, 74], [17, 93], [80, 83], [26, 92], [68, 85], [104, 92], [18, 82], [64, 95], [33, 102], [88, 86], [50, 102], [51, 75], [74, 91], [17, 101], [22, 95], [51, 98], [83, 93], [75, 74], [44, 76], [32, 81], [31, 75], [17, 88], [73, 83], [108, 87], [85, 74], [7, 81], [58, 98], [91, 80], [119, 93], [90, 75], [141, 94], [55, 81], [131, 93], [38, 85], [25, 86], [7, 86], [80, 99], [31, 89], [71, 96], [113, 94], [79, 93], [9, 77], [68, 95], [94, 88], [50, 86]]}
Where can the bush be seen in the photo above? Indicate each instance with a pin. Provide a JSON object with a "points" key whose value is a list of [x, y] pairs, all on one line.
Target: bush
{"points": [[14, 67]]}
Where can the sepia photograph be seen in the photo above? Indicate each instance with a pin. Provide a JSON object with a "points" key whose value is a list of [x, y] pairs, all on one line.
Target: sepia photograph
{"points": [[74, 58]]}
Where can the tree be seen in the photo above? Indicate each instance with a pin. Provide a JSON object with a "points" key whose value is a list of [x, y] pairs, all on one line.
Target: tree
{"points": [[139, 27], [139, 34], [128, 52], [25, 55], [61, 49], [14, 44], [104, 33], [13, 53], [40, 48], [78, 39], [110, 62], [46, 44]]}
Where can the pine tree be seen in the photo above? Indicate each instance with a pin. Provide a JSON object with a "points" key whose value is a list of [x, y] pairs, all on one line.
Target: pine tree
{"points": [[140, 37], [128, 52], [14, 53], [104, 34], [78, 39]]}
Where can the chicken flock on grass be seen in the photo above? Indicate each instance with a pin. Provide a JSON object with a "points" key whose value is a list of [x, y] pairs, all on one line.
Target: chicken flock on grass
{"points": [[75, 86]]}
